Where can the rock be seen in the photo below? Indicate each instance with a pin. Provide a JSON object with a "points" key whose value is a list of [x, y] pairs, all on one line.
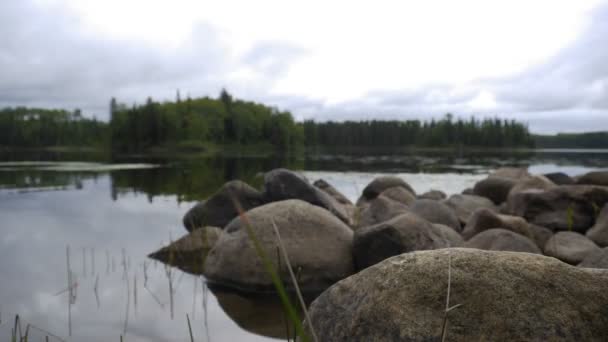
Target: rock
{"points": [[375, 188], [495, 188], [599, 231], [333, 192], [436, 212], [435, 195], [560, 178], [378, 210], [219, 209], [405, 233], [484, 219], [532, 182], [317, 242], [540, 234], [570, 247], [450, 235], [499, 239], [596, 259], [594, 178], [510, 172], [563, 207], [464, 205], [283, 184], [190, 251], [468, 191], [505, 296], [399, 194]]}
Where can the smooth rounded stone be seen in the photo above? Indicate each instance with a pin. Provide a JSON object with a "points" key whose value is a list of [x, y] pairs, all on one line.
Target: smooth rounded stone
{"points": [[333, 192], [532, 182], [219, 209], [504, 296], [436, 195], [468, 191], [453, 238], [484, 219], [379, 184], [563, 207], [594, 178], [510, 172], [599, 231], [378, 210], [499, 239], [436, 212], [465, 205], [405, 233], [399, 194], [283, 184], [319, 245], [189, 252], [541, 235], [560, 178], [495, 188], [596, 259], [570, 247]]}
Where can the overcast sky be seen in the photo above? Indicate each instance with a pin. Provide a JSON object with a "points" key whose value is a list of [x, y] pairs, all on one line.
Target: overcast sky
{"points": [[543, 61]]}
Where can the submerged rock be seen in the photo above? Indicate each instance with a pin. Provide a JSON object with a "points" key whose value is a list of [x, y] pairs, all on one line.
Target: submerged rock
{"points": [[504, 296], [219, 209], [570, 247], [318, 244], [499, 239]]}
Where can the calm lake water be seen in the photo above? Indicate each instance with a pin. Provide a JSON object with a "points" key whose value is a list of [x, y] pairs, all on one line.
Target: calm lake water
{"points": [[111, 215]]}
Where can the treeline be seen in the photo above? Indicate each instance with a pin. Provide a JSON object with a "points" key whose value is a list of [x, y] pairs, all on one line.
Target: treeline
{"points": [[573, 140], [224, 120], [37, 127], [442, 133]]}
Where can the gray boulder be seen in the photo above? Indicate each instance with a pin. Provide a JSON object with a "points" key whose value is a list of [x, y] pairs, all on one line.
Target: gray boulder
{"points": [[219, 209], [532, 182], [399, 194], [450, 235], [333, 192], [498, 239], [378, 210], [570, 247], [484, 219], [283, 184], [436, 195], [318, 244], [596, 259], [505, 296], [594, 178], [599, 231], [405, 233], [378, 185], [510, 172], [563, 207], [495, 188], [560, 178], [540, 234], [465, 205], [436, 212]]}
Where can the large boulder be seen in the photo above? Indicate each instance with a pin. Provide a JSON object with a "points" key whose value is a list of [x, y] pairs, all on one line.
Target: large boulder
{"points": [[570, 247], [596, 259], [504, 296], [510, 172], [484, 219], [560, 178], [318, 244], [379, 184], [594, 178], [436, 195], [378, 210], [495, 188], [333, 192], [399, 194], [405, 233], [532, 182], [453, 237], [540, 234], [220, 208], [283, 184], [599, 232], [499, 239], [465, 205], [563, 207], [436, 212], [189, 252]]}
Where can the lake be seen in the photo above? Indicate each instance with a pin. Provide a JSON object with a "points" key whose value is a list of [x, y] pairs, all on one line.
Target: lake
{"points": [[109, 215]]}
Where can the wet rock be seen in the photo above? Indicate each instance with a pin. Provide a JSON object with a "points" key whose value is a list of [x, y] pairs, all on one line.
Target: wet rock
{"points": [[378, 210], [190, 251], [405, 233], [560, 178], [399, 194], [219, 209], [596, 259], [570, 247], [436, 195], [594, 178], [505, 296], [484, 219], [317, 242], [436, 212], [498, 239], [599, 231], [464, 205]]}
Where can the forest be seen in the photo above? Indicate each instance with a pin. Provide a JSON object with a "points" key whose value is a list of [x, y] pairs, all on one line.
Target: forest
{"points": [[196, 124]]}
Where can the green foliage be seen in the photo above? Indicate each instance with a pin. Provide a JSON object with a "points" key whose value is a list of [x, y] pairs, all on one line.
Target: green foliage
{"points": [[573, 140]]}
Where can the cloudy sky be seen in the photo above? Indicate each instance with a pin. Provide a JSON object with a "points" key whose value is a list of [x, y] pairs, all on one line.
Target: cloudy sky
{"points": [[544, 61]]}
